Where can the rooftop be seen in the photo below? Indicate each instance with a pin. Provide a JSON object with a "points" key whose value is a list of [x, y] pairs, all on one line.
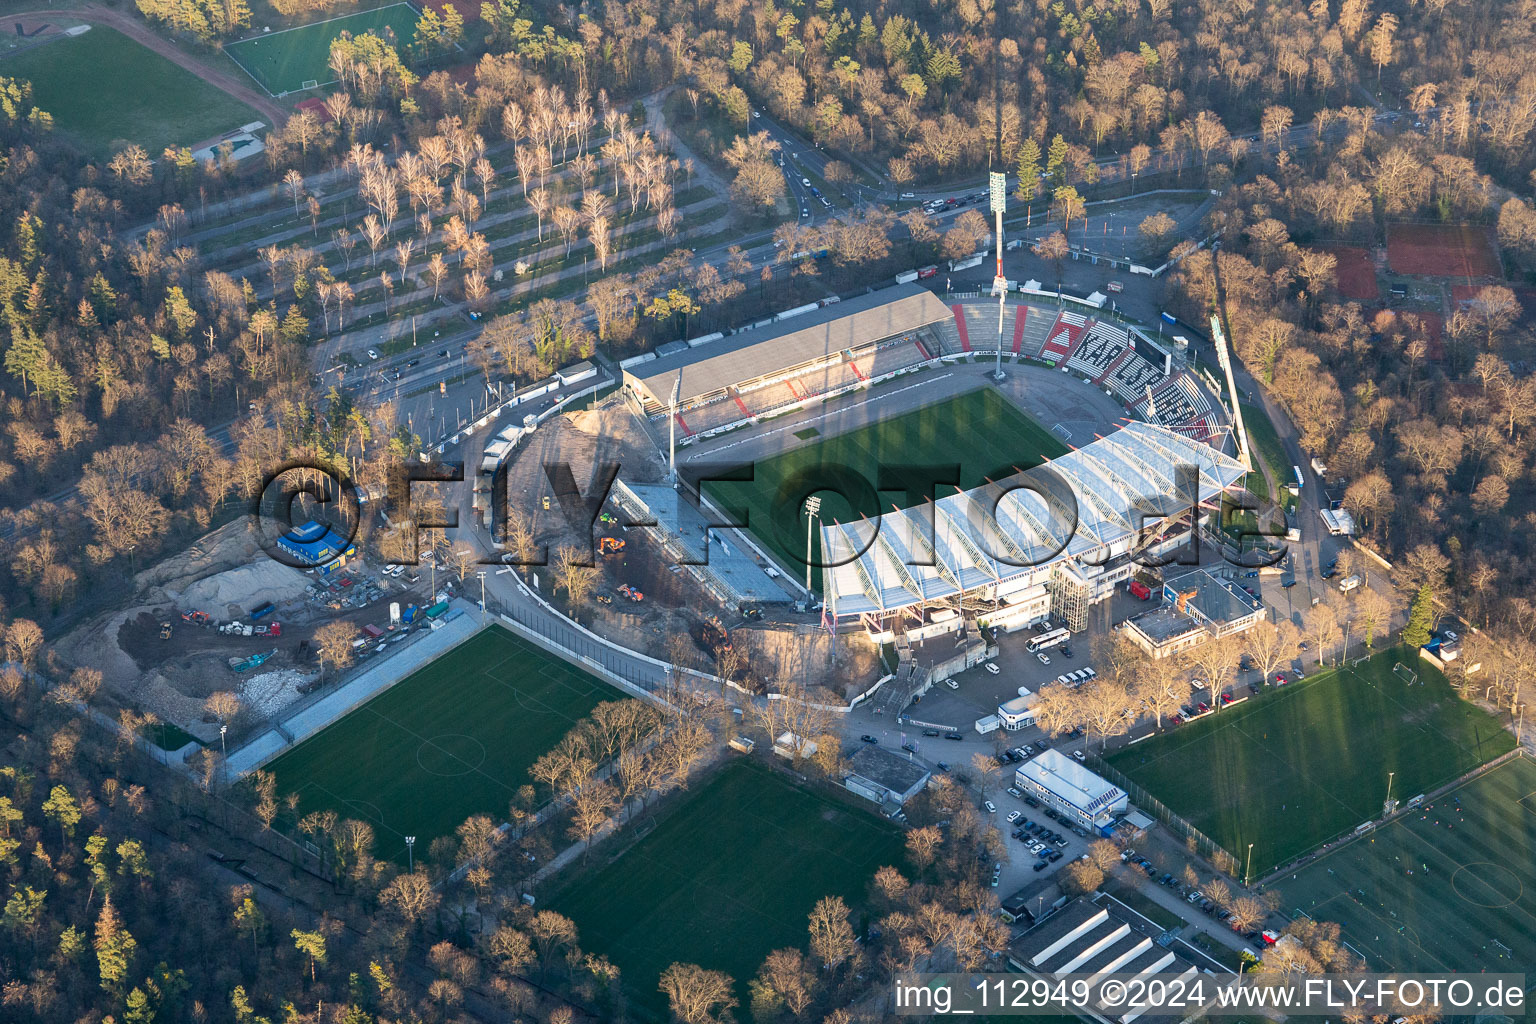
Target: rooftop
{"points": [[751, 354], [1215, 599], [1069, 780], [1092, 499], [886, 769]]}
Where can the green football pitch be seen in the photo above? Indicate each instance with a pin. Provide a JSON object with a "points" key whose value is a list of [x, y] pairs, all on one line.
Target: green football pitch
{"points": [[1473, 909], [725, 879], [1304, 764], [451, 740], [284, 61], [979, 434], [107, 91]]}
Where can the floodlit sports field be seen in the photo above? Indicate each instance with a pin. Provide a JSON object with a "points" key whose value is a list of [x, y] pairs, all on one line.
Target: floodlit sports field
{"points": [[1474, 908], [283, 61], [726, 878], [980, 432], [1303, 764], [451, 740]]}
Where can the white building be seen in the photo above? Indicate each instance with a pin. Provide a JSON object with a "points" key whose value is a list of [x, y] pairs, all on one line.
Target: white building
{"points": [[1019, 712], [1071, 789]]}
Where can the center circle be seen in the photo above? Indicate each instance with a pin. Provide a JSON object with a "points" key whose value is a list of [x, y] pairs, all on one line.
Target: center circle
{"points": [[1486, 884], [450, 754]]}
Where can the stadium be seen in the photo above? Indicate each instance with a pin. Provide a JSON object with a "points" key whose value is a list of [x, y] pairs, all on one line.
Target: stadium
{"points": [[1017, 548]]}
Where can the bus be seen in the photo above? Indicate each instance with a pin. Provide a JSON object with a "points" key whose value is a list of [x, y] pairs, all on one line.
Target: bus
{"points": [[1050, 639], [1297, 471]]}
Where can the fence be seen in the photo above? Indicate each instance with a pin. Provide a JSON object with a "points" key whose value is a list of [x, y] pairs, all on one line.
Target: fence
{"points": [[1204, 845]]}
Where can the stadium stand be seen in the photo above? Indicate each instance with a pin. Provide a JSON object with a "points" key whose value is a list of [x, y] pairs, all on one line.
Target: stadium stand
{"points": [[981, 321], [960, 327], [1037, 324], [1131, 376], [1064, 337], [1101, 346]]}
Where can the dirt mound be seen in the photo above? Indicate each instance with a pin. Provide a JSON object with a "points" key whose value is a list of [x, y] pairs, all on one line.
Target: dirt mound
{"points": [[234, 593]]}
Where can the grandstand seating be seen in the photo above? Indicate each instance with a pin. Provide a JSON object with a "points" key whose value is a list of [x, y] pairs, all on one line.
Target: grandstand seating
{"points": [[961, 328], [766, 399], [1177, 400], [982, 321], [1064, 337], [948, 337], [1131, 376], [1101, 346], [1036, 326]]}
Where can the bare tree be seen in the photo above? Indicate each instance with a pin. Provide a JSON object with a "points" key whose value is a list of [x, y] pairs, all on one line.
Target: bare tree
{"points": [[698, 996]]}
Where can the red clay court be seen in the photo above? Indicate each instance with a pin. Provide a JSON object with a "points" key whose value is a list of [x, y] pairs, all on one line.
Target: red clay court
{"points": [[1464, 293], [1443, 250], [1356, 273]]}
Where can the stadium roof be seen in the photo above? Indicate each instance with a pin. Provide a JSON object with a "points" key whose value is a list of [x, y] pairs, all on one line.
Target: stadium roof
{"points": [[1011, 529], [790, 343]]}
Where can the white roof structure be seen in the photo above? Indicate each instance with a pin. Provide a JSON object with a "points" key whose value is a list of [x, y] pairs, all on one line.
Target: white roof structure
{"points": [[1070, 781], [1104, 499]]}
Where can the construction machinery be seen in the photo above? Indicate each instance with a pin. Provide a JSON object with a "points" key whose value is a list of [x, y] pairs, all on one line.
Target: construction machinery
{"points": [[246, 664], [197, 618], [1184, 599], [165, 631], [609, 545], [630, 592]]}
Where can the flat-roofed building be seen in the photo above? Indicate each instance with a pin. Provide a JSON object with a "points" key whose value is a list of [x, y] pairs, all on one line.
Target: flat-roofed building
{"points": [[1068, 787]]}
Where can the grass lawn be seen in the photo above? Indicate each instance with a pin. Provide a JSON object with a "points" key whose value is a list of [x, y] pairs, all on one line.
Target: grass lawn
{"points": [[1473, 910], [980, 433], [1266, 444], [105, 90], [725, 879], [283, 61], [1303, 764], [451, 740], [167, 736]]}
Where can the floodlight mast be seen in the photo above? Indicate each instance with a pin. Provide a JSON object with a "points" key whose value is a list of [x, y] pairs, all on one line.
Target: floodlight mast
{"points": [[999, 191], [677, 392]]}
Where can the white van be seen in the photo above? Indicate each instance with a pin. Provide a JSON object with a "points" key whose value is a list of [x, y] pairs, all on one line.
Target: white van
{"points": [[1348, 583]]}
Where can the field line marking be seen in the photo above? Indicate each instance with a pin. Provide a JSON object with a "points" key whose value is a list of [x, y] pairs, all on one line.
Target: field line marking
{"points": [[250, 75], [427, 739], [326, 21]]}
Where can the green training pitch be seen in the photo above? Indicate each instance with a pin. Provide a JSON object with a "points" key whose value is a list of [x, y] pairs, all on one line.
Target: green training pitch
{"points": [[1475, 907], [283, 61], [726, 878], [451, 740], [979, 433], [1303, 765], [105, 91]]}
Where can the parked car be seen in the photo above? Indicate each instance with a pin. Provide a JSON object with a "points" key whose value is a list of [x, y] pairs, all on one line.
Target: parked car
{"points": [[990, 807], [951, 684], [1014, 792], [909, 748], [930, 732], [1014, 816], [1044, 658], [992, 668], [867, 738], [942, 766]]}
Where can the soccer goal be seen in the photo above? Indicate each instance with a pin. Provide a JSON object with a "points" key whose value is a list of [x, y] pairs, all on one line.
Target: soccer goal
{"points": [[1360, 661], [1405, 673], [310, 83]]}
